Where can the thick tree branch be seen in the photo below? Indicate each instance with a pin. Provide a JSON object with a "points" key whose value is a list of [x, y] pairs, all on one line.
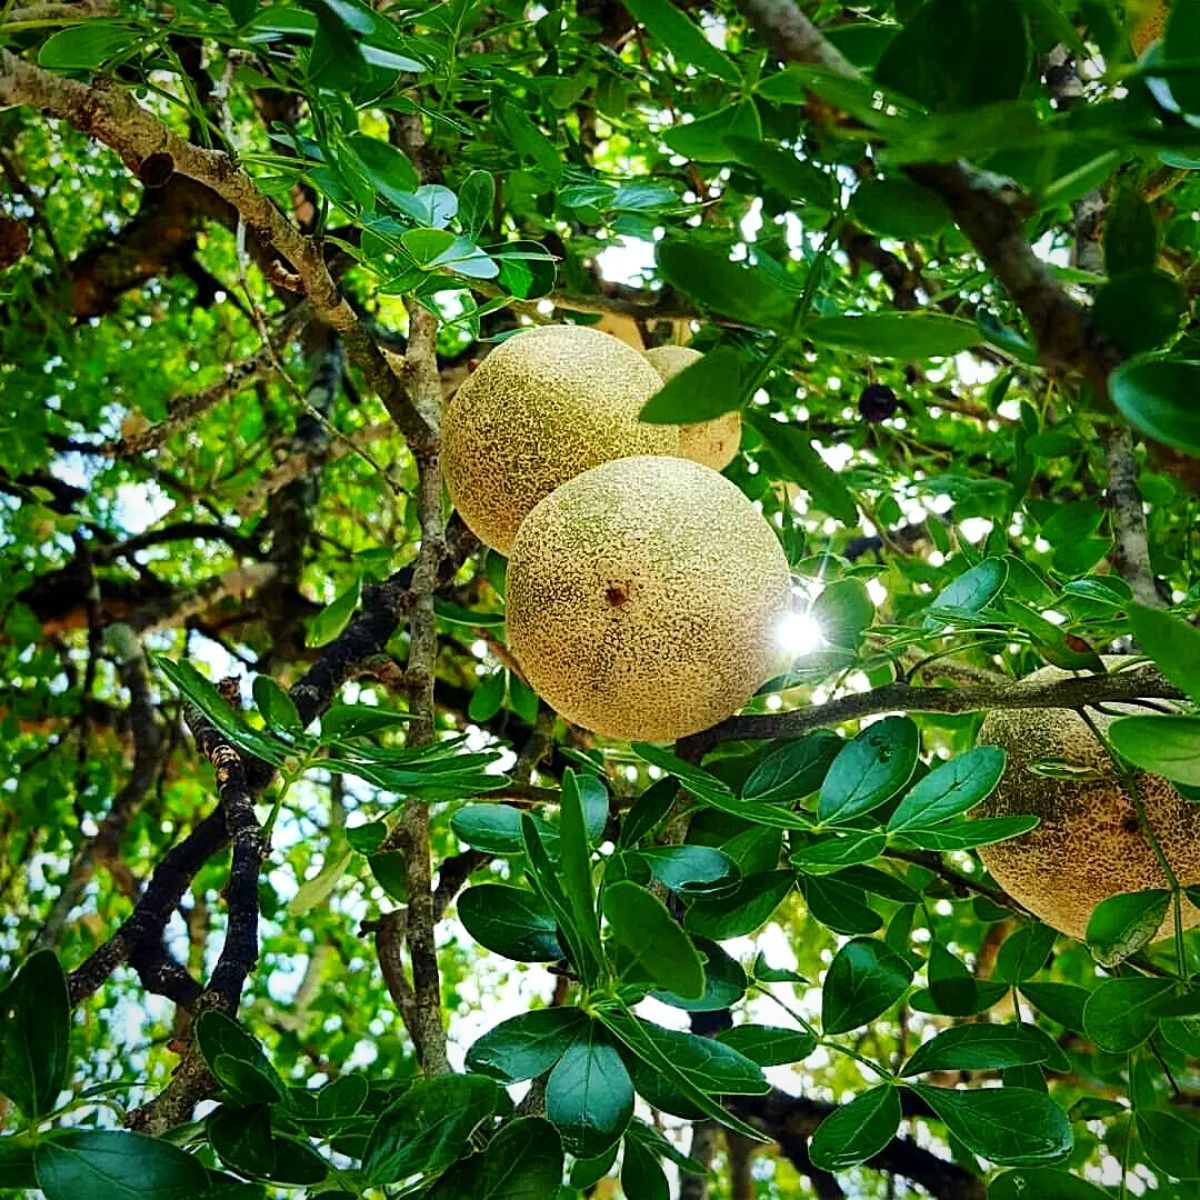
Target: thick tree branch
{"points": [[1140, 683], [111, 115]]}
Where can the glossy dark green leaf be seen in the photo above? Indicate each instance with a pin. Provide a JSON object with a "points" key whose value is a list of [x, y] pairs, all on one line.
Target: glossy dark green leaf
{"points": [[496, 829], [488, 698], [769, 1045], [966, 835], [594, 800], [528, 1045], [276, 706], [1180, 40], [794, 770], [1166, 745], [1171, 1142], [237, 1060], [35, 1019], [691, 869], [476, 198], [982, 1047], [895, 335], [705, 273], [1157, 397], [953, 56], [546, 881], [343, 721], [576, 861], [16, 1164], [1139, 310], [242, 1139], [1031, 1183], [795, 458], [642, 1176], [1122, 924], [685, 40], [388, 168], [840, 906], [530, 143], [864, 980], [1172, 643], [1024, 952], [834, 853], [84, 47], [706, 389], [428, 1127], [724, 981], [74, 1163], [972, 591], [589, 1096], [648, 811], [869, 770], [510, 921], [332, 619], [898, 207], [1122, 1013], [1061, 1002], [366, 839], [655, 945], [713, 137], [711, 1066], [743, 909], [1007, 1126], [794, 178], [857, 1131], [949, 789]]}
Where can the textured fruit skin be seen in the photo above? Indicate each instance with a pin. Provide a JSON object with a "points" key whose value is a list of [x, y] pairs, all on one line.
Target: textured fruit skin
{"points": [[1088, 846], [713, 443], [542, 407], [644, 599], [1150, 29]]}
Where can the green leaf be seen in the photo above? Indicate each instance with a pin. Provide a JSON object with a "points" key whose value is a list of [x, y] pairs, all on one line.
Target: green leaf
{"points": [[315, 891], [953, 56], [330, 621], [1172, 643], [713, 138], [1167, 746], [496, 829], [972, 591], [1032, 1183], [84, 47], [1122, 1013], [966, 835], [1181, 38], [510, 921], [1171, 1142], [648, 811], [710, 1066], [1061, 1002], [982, 1047], [390, 870], [656, 946], [76, 1163], [844, 610], [858, 1130], [35, 1021], [237, 1060], [691, 869], [864, 980], [781, 171], [1157, 397], [708, 388], [427, 1128], [528, 1045], [344, 721], [530, 143], [898, 207], [576, 862], [476, 199], [739, 290], [841, 907], [742, 910], [524, 1161], [1008, 1126], [242, 1139], [546, 880], [895, 335], [589, 1096], [1130, 233], [488, 698], [685, 40], [724, 981], [1140, 309], [794, 457], [16, 1164], [387, 167], [1024, 952], [1122, 924], [794, 770], [869, 770], [949, 789], [832, 854], [642, 1176], [769, 1045]]}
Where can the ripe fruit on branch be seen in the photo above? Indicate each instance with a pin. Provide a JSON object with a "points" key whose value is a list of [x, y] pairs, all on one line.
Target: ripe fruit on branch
{"points": [[1089, 844], [542, 407], [713, 443], [645, 598]]}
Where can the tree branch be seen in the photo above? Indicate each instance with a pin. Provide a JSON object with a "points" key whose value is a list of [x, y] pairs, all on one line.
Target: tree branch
{"points": [[1140, 683]]}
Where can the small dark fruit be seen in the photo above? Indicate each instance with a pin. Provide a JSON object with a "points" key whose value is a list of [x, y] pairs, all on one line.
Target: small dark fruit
{"points": [[877, 403]]}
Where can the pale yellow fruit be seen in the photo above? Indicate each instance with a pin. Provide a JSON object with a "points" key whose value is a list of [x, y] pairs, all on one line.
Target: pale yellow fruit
{"points": [[645, 598], [1150, 28], [542, 407], [1088, 845], [713, 443]]}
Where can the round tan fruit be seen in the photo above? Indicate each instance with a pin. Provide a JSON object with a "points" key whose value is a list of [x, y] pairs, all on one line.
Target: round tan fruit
{"points": [[542, 407], [1088, 845], [645, 597], [1150, 28], [713, 443]]}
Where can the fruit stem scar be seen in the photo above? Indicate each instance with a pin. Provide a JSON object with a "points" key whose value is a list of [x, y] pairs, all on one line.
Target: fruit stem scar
{"points": [[617, 594]]}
